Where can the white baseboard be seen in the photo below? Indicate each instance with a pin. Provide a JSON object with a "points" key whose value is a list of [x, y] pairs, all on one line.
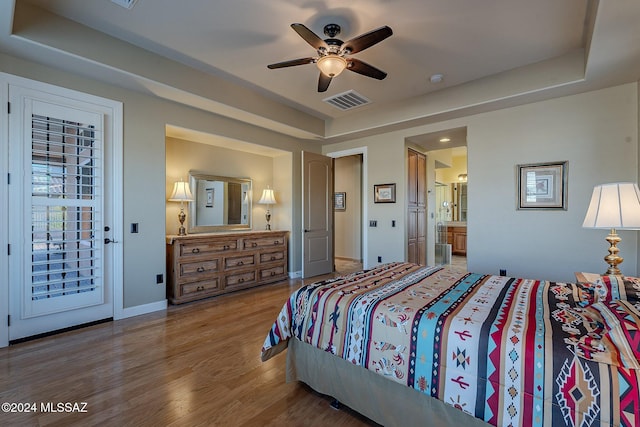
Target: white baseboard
{"points": [[295, 274], [141, 309]]}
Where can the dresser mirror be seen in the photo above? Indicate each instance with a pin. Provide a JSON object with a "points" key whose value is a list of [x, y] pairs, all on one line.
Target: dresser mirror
{"points": [[220, 203]]}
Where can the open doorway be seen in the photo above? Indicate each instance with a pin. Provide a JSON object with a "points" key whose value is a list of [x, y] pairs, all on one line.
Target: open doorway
{"points": [[451, 209], [446, 226], [348, 248]]}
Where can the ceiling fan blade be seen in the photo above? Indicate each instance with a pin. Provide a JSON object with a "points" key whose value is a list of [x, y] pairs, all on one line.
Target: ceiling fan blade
{"points": [[293, 62], [365, 69], [323, 83], [366, 40], [309, 36]]}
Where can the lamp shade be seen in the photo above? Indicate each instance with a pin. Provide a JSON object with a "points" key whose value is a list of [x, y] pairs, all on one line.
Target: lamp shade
{"points": [[331, 65], [615, 205], [181, 192], [267, 197]]}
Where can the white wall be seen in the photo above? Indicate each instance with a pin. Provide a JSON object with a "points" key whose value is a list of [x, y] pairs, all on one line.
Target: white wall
{"points": [[597, 132]]}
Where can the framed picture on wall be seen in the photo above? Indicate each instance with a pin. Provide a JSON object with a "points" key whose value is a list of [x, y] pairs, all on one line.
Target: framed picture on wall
{"points": [[210, 192], [542, 186], [340, 201], [384, 193]]}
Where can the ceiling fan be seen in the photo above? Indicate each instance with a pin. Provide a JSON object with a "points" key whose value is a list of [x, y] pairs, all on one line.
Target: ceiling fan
{"points": [[333, 54]]}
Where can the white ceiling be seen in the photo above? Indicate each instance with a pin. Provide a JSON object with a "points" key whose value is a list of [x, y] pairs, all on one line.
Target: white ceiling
{"points": [[492, 53]]}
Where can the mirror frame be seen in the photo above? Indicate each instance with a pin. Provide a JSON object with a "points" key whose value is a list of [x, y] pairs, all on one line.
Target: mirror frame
{"points": [[194, 176]]}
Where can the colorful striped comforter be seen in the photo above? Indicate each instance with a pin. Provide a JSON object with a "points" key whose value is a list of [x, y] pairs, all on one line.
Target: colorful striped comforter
{"points": [[508, 351]]}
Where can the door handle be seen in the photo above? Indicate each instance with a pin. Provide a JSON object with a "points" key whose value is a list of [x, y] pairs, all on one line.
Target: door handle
{"points": [[108, 240], [306, 231]]}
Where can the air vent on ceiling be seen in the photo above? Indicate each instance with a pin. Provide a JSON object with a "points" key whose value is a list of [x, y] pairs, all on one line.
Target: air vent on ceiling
{"points": [[347, 100], [127, 4]]}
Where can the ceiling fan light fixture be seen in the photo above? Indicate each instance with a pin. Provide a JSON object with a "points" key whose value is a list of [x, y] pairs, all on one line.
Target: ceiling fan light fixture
{"points": [[331, 65]]}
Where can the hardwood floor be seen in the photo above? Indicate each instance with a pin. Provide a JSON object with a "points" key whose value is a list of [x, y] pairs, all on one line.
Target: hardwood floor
{"points": [[196, 364]]}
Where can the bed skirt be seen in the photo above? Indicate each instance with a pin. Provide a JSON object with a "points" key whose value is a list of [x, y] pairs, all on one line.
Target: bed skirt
{"points": [[379, 399]]}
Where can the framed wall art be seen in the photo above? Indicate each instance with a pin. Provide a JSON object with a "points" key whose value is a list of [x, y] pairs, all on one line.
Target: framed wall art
{"points": [[340, 201], [542, 186], [384, 193], [209, 202]]}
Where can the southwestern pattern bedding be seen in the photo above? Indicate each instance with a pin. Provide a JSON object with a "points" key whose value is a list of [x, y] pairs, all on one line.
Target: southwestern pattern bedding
{"points": [[508, 351]]}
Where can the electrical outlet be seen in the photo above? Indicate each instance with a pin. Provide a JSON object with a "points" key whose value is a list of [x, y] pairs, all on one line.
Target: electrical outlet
{"points": [[159, 278], [379, 259], [134, 227], [373, 223], [393, 222], [503, 272]]}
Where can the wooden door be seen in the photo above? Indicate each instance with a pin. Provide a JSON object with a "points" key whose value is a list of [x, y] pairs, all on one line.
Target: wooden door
{"points": [[317, 214], [416, 208]]}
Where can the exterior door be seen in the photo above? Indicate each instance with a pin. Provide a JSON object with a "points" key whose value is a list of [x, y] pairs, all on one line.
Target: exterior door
{"points": [[317, 214], [59, 268]]}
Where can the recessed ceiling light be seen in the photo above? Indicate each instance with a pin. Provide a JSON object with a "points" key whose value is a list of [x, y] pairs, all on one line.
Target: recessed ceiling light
{"points": [[436, 78], [445, 139]]}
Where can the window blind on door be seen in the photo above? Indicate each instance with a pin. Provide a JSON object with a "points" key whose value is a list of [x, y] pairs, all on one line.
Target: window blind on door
{"points": [[65, 183]]}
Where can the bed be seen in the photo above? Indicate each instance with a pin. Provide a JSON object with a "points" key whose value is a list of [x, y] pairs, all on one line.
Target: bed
{"points": [[405, 344]]}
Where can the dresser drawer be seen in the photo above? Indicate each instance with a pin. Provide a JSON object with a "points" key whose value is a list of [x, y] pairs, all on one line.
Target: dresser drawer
{"points": [[272, 256], [192, 249], [272, 272], [244, 278], [264, 242], [198, 269], [204, 286], [239, 261]]}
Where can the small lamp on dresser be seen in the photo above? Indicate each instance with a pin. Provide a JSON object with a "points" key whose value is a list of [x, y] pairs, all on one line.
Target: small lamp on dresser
{"points": [[267, 199], [181, 193], [614, 206]]}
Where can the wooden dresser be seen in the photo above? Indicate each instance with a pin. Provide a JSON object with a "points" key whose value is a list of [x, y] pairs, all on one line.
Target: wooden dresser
{"points": [[204, 265]]}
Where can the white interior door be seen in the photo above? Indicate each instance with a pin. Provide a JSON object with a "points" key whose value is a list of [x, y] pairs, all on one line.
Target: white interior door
{"points": [[60, 220], [317, 212]]}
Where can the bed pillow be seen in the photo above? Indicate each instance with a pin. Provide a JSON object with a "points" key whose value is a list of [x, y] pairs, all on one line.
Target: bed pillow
{"points": [[632, 288], [617, 339], [610, 287]]}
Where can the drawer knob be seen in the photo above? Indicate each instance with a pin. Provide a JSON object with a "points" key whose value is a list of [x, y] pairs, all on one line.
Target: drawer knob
{"points": [[273, 258], [254, 244], [200, 269], [195, 250], [276, 242], [273, 273], [225, 247], [200, 288], [241, 280], [240, 263]]}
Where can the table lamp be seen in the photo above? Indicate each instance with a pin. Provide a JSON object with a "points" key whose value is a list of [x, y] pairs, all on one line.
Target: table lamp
{"points": [[181, 193], [267, 199], [614, 206]]}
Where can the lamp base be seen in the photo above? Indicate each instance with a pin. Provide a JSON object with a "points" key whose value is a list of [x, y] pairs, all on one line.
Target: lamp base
{"points": [[613, 259], [267, 216], [181, 217]]}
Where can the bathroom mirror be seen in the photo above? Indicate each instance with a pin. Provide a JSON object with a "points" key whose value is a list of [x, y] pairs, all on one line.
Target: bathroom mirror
{"points": [[220, 203]]}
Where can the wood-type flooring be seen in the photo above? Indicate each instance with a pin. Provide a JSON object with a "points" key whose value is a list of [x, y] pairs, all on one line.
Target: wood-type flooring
{"points": [[196, 364]]}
